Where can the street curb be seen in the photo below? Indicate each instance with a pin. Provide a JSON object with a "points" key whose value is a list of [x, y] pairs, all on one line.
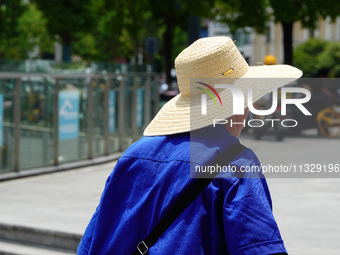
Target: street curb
{"points": [[59, 168], [41, 237]]}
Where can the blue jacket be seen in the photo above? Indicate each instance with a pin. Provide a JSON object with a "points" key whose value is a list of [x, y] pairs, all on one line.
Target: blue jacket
{"points": [[231, 216]]}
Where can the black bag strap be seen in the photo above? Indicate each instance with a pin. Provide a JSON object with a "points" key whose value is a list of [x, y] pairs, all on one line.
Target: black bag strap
{"points": [[185, 200]]}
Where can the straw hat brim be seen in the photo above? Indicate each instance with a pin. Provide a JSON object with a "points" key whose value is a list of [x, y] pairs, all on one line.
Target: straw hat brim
{"points": [[182, 114]]}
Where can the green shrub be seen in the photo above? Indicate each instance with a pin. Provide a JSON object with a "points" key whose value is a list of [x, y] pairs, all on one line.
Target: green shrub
{"points": [[329, 59], [306, 54]]}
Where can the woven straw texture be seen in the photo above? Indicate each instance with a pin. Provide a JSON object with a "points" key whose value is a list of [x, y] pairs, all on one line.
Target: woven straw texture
{"points": [[209, 58]]}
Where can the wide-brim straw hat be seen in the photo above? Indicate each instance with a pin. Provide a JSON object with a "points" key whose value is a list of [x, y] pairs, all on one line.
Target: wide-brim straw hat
{"points": [[214, 57]]}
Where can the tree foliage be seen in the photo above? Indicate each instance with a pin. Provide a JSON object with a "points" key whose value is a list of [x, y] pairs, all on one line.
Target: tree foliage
{"points": [[329, 59], [104, 30], [120, 27], [238, 14], [316, 56], [306, 56], [66, 18], [30, 35], [10, 10], [307, 12]]}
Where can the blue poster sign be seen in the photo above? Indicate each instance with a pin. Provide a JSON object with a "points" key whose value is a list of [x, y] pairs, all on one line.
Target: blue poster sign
{"points": [[112, 111], [1, 119], [68, 115], [140, 97]]}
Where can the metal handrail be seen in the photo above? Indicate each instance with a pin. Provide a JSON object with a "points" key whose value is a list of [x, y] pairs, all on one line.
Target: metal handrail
{"points": [[18, 125], [60, 76]]}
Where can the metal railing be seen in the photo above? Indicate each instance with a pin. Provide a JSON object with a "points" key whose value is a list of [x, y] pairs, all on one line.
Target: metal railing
{"points": [[113, 111]]}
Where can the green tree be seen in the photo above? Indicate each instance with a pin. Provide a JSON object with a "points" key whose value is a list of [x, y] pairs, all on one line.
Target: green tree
{"points": [[172, 19], [239, 14], [66, 18], [168, 15], [242, 13], [329, 59], [316, 56], [31, 35], [119, 30], [33, 32], [307, 12], [87, 47], [123, 26], [10, 10], [306, 56]]}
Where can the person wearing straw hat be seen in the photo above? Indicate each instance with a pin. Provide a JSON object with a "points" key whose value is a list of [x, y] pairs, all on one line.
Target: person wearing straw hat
{"points": [[152, 205]]}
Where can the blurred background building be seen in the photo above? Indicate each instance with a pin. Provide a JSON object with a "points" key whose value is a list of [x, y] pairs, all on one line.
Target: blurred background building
{"points": [[255, 46]]}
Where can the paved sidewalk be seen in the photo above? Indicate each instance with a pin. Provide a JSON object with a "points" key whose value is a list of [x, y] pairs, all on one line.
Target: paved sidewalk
{"points": [[307, 210], [62, 201]]}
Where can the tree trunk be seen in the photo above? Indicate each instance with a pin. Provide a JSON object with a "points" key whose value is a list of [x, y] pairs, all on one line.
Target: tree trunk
{"points": [[167, 47], [288, 42], [194, 28]]}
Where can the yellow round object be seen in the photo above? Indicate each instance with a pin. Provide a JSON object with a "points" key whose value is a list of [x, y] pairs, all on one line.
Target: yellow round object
{"points": [[329, 122], [269, 60]]}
